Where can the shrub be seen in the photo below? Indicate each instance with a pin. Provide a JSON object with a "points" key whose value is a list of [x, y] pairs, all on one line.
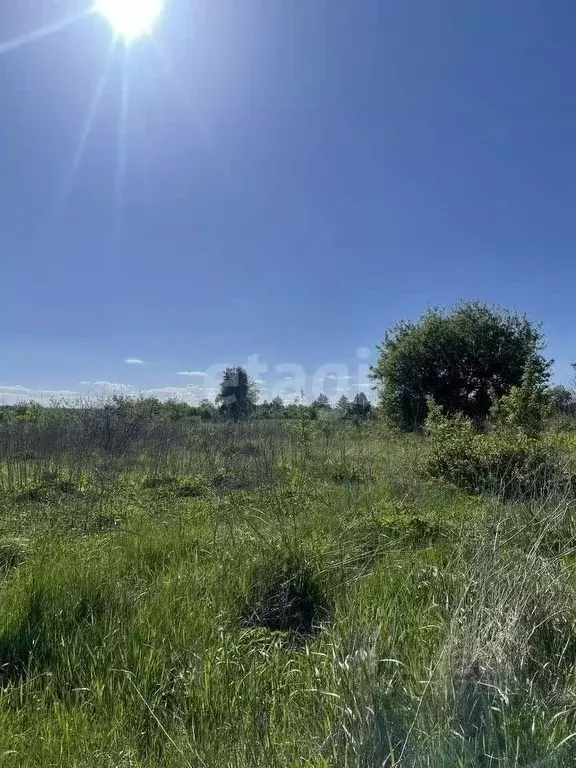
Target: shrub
{"points": [[525, 408], [519, 467], [510, 464], [453, 448]]}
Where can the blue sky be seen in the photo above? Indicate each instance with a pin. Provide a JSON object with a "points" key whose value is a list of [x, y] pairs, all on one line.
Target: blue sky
{"points": [[277, 179]]}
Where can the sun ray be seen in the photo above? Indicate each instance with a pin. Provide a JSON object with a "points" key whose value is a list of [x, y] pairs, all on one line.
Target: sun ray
{"points": [[64, 193], [121, 159], [19, 42], [122, 132]]}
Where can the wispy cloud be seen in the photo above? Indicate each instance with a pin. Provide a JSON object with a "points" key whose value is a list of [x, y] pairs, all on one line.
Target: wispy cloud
{"points": [[17, 393], [133, 361], [190, 393], [110, 385], [191, 373]]}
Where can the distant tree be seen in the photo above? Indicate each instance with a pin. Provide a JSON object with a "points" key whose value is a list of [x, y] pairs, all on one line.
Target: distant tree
{"points": [[320, 407], [147, 408], [277, 407], [238, 394], [299, 411], [269, 410], [462, 359], [360, 407], [178, 410], [563, 400], [262, 410], [29, 412], [207, 410], [342, 406], [322, 401]]}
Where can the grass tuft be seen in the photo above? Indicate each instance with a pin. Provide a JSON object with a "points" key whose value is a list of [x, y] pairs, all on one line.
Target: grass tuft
{"points": [[285, 595]]}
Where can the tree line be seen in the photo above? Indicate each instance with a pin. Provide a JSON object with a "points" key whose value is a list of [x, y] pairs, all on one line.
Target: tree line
{"points": [[465, 360], [238, 398]]}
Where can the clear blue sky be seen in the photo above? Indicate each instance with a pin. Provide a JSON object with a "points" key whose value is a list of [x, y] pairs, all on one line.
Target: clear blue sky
{"points": [[290, 179]]}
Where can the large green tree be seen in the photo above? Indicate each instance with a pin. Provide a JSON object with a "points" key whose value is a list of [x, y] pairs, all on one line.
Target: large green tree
{"points": [[465, 359]]}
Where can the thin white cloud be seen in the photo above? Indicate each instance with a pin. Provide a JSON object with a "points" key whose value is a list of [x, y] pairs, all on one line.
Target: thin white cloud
{"points": [[190, 393], [17, 393], [191, 373], [110, 385], [133, 361]]}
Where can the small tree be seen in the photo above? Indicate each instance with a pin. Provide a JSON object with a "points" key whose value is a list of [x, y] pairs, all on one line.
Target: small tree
{"points": [[277, 407], [461, 359], [321, 402], [206, 410], [525, 408], [360, 408], [238, 394], [342, 406]]}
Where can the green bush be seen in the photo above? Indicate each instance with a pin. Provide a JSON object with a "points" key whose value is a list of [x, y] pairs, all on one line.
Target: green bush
{"points": [[509, 464], [526, 407]]}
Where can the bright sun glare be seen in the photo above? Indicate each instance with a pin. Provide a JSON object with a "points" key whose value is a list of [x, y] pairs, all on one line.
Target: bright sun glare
{"points": [[130, 18]]}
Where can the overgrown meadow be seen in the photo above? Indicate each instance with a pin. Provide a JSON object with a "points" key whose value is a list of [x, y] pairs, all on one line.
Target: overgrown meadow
{"points": [[277, 593]]}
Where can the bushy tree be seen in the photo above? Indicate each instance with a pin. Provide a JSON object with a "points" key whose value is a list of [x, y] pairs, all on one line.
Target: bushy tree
{"points": [[238, 394], [463, 359]]}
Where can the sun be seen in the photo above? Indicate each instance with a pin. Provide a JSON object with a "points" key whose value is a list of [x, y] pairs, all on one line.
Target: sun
{"points": [[130, 18]]}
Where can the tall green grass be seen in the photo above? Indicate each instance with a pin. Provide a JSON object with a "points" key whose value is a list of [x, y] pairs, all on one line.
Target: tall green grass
{"points": [[144, 626]]}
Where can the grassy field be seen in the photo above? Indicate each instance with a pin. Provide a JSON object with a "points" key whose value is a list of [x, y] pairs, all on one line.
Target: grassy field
{"points": [[276, 594]]}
